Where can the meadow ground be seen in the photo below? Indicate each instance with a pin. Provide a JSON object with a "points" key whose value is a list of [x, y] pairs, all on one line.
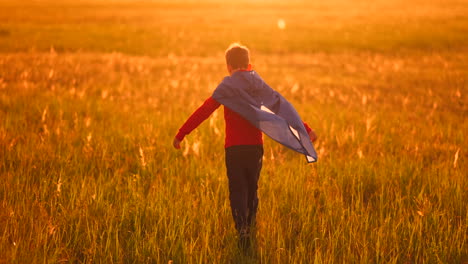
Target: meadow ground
{"points": [[92, 93]]}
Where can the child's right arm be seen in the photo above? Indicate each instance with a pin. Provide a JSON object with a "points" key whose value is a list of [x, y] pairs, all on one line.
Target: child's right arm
{"points": [[312, 135], [200, 115]]}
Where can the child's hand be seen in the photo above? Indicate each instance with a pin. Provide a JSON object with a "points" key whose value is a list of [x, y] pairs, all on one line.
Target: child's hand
{"points": [[176, 143], [312, 135]]}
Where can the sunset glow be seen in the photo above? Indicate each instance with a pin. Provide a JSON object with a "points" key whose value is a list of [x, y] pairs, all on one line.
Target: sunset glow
{"points": [[92, 94]]}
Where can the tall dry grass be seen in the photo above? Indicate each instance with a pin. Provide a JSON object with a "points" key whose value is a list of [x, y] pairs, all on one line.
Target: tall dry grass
{"points": [[89, 174], [92, 93]]}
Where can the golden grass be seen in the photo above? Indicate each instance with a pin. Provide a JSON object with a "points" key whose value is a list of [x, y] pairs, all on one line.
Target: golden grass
{"points": [[89, 173], [92, 94]]}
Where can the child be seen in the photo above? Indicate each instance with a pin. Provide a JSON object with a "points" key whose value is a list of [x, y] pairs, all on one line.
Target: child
{"points": [[250, 107]]}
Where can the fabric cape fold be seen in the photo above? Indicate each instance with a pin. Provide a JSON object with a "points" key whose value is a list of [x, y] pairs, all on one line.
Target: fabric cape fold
{"points": [[248, 95]]}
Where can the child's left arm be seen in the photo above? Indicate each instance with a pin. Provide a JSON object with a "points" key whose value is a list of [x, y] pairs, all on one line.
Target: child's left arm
{"points": [[200, 115]]}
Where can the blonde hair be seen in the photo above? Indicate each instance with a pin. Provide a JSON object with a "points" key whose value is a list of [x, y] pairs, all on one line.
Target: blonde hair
{"points": [[237, 56]]}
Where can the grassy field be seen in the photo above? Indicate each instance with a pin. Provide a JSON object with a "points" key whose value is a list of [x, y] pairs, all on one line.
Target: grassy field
{"points": [[92, 94]]}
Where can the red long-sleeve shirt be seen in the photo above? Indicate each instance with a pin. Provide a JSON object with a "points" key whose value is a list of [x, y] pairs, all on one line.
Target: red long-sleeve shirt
{"points": [[238, 130]]}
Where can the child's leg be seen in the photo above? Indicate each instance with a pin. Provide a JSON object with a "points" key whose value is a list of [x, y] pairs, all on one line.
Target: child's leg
{"points": [[237, 187], [243, 164], [253, 176]]}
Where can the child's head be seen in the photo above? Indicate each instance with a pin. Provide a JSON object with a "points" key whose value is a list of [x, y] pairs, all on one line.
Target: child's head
{"points": [[237, 57]]}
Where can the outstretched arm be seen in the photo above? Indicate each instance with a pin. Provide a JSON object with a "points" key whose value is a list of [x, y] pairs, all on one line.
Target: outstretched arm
{"points": [[312, 135], [200, 115]]}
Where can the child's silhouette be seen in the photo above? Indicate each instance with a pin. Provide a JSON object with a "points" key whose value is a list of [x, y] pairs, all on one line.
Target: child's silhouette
{"points": [[250, 107]]}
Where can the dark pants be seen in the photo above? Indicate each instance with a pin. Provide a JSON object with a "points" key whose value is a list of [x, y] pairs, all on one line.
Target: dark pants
{"points": [[243, 164]]}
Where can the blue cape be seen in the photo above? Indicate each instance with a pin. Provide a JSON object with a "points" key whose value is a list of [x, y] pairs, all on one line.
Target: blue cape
{"points": [[248, 95]]}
